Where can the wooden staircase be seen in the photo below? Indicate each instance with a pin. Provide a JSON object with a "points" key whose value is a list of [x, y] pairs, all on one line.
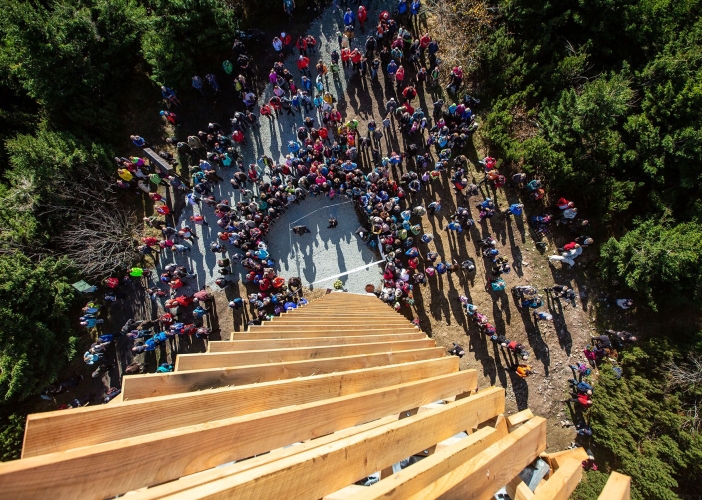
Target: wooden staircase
{"points": [[299, 408]]}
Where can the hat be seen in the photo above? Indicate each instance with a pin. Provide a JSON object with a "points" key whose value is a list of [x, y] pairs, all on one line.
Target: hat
{"points": [[301, 57]]}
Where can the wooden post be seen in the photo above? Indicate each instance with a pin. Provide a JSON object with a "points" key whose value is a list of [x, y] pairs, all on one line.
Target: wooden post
{"points": [[618, 487], [561, 484], [484, 474]]}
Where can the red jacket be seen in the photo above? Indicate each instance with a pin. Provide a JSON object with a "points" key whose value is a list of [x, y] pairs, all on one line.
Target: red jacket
{"points": [[345, 54], [362, 14], [303, 62], [355, 56], [302, 43]]}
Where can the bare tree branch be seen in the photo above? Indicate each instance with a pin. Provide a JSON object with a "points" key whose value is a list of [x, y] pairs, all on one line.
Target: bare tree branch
{"points": [[686, 375]]}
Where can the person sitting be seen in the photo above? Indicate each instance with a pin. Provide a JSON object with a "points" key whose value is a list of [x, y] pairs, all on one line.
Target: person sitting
{"points": [[300, 230]]}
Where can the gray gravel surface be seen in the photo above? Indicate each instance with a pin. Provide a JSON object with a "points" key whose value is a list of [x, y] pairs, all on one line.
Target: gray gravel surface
{"points": [[324, 252]]}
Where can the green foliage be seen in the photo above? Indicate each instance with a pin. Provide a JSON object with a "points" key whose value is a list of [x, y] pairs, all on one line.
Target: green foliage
{"points": [[601, 100], [36, 339], [590, 486], [11, 436], [636, 421], [663, 264], [37, 164], [183, 33], [72, 56]]}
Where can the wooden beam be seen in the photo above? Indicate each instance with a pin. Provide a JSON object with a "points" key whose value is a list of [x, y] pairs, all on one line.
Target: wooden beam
{"points": [[343, 493], [242, 345], [207, 476], [163, 384], [414, 479], [280, 333], [554, 460], [561, 484], [519, 418], [618, 487], [152, 459], [268, 326], [518, 490], [56, 431], [323, 471], [245, 358], [483, 475]]}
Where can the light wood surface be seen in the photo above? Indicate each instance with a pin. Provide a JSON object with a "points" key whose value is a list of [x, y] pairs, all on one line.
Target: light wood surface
{"points": [[323, 471], [414, 479], [618, 487], [56, 431], [561, 484], [163, 384], [287, 343], [155, 458], [281, 333], [519, 418], [244, 358], [483, 475], [204, 477], [268, 326]]}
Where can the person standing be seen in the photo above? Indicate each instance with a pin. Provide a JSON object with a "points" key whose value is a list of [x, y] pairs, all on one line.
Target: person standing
{"points": [[197, 85], [303, 64], [362, 17]]}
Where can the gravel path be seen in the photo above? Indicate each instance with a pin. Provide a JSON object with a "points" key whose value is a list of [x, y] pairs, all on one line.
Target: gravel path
{"points": [[324, 252]]}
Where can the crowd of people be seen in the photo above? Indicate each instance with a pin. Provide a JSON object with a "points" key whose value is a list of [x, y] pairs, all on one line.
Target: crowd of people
{"points": [[330, 154]]}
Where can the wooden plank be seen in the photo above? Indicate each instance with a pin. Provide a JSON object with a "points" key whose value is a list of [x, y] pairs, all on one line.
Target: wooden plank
{"points": [[483, 475], [152, 459], [241, 345], [163, 384], [519, 418], [518, 490], [56, 431], [561, 484], [339, 323], [323, 471], [268, 326], [207, 476], [555, 459], [410, 481], [343, 493], [244, 358], [618, 487], [323, 332]]}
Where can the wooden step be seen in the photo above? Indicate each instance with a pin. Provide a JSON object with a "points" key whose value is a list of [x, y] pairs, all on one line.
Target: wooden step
{"points": [[322, 471], [338, 312], [163, 384], [242, 345], [339, 322], [152, 459], [243, 358], [56, 430], [184, 483], [269, 326], [283, 333]]}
